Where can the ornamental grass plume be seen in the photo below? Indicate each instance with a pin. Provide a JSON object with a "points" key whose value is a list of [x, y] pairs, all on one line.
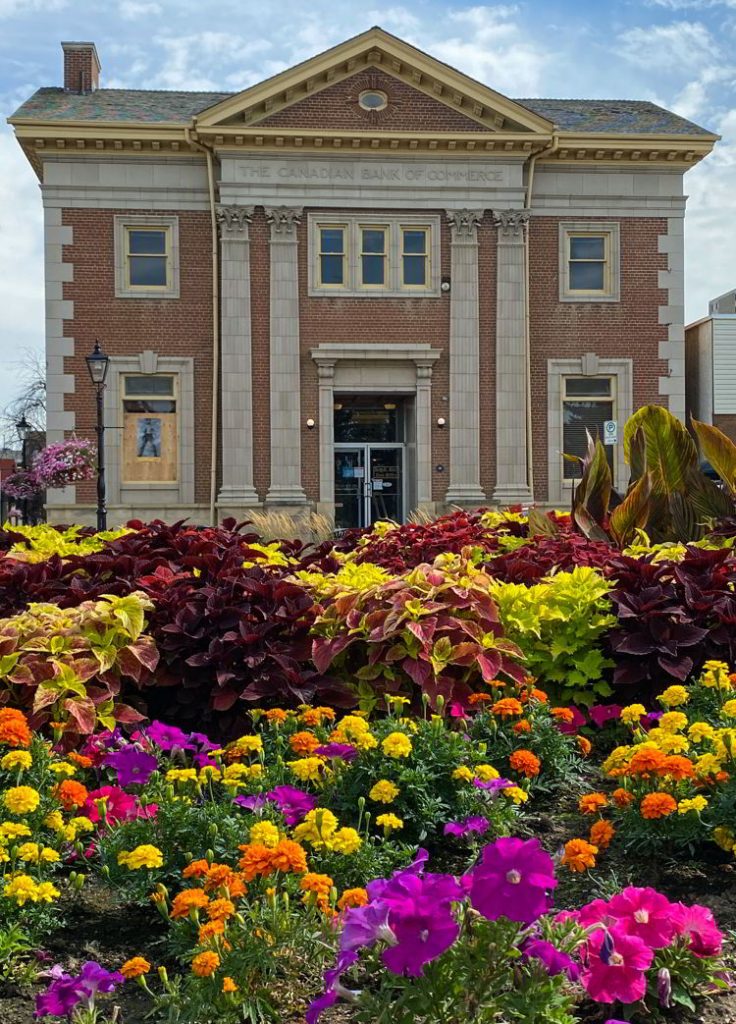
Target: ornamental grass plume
{"points": [[513, 879]]}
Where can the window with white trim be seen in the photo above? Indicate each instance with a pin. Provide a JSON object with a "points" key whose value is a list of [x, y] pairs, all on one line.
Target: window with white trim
{"points": [[589, 262], [366, 255], [587, 402], [146, 257]]}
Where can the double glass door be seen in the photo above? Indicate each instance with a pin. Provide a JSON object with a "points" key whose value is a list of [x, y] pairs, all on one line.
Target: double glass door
{"points": [[368, 484]]}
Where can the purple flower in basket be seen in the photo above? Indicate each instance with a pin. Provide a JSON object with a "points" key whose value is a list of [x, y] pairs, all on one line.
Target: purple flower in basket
{"points": [[21, 485], [65, 462]]}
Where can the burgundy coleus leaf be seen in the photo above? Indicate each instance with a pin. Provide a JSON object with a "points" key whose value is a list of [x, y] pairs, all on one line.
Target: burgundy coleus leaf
{"points": [[83, 713]]}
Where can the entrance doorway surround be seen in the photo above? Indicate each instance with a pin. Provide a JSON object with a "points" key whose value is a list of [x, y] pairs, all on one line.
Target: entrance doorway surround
{"points": [[398, 368]]}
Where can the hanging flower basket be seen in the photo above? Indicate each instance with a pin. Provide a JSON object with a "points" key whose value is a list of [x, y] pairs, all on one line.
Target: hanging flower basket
{"points": [[22, 485], [66, 462]]}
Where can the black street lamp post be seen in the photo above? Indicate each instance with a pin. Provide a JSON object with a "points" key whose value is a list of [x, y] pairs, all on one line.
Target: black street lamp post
{"points": [[23, 427], [97, 364]]}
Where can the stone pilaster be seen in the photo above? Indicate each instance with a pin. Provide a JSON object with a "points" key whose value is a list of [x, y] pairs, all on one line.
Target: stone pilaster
{"points": [[236, 380], [286, 461], [464, 406], [326, 376], [512, 369], [423, 412]]}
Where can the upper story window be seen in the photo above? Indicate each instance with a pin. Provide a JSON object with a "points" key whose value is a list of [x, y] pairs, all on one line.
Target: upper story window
{"points": [[374, 256], [373, 99], [146, 257], [589, 262]]}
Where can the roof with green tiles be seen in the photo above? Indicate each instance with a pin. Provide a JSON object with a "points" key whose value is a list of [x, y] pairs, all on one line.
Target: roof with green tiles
{"points": [[148, 106]]}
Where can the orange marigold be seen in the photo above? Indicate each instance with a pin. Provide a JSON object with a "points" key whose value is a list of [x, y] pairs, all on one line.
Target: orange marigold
{"points": [[579, 855], [188, 900], [80, 759], [210, 930], [539, 695], [508, 707], [228, 985], [315, 716], [220, 910], [522, 726], [222, 876], [312, 882], [14, 729], [135, 967], [622, 797], [584, 744], [562, 715], [645, 761], [289, 856], [591, 803], [197, 869], [677, 767], [525, 762], [257, 860], [657, 805], [205, 964], [601, 834], [352, 898], [277, 715], [479, 698], [304, 743], [70, 794]]}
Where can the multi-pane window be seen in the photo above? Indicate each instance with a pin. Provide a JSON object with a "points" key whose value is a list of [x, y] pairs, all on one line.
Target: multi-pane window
{"points": [[367, 255], [587, 402], [150, 434], [414, 257], [590, 261], [373, 257], [147, 254], [587, 263]]}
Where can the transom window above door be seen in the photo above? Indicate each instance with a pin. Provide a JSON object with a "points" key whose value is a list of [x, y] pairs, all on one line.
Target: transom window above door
{"points": [[371, 256]]}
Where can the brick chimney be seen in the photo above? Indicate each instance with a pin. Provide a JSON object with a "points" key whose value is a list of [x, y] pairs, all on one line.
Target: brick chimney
{"points": [[81, 67]]}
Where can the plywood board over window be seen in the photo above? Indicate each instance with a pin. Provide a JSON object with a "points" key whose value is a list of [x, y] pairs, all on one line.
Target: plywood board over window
{"points": [[150, 429]]}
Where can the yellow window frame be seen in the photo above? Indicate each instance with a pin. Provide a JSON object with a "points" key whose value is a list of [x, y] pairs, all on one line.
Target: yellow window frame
{"points": [[427, 254], [164, 229], [342, 285], [607, 288], [384, 229]]}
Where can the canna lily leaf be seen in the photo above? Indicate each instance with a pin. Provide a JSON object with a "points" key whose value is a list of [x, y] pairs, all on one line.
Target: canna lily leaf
{"points": [[633, 512], [719, 450]]}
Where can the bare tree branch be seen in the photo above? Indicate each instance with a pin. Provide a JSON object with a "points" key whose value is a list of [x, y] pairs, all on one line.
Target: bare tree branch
{"points": [[30, 401]]}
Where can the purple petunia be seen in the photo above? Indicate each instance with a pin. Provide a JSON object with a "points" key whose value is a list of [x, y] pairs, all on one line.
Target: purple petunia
{"points": [[344, 751], [493, 785], [333, 989], [252, 803], [132, 765], [553, 959], [65, 991], [512, 880], [477, 824], [167, 737], [293, 803]]}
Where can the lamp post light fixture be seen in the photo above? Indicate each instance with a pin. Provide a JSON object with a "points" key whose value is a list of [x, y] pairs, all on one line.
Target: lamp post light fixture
{"points": [[97, 364], [24, 428]]}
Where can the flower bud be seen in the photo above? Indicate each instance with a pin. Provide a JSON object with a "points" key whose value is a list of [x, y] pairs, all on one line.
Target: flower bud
{"points": [[664, 987]]}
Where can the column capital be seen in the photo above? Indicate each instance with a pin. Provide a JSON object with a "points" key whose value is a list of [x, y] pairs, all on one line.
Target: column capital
{"points": [[511, 224], [233, 222], [464, 224], [283, 221]]}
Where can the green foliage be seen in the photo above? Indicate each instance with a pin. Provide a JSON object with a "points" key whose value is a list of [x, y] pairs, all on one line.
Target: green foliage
{"points": [[43, 541], [558, 624], [66, 664]]}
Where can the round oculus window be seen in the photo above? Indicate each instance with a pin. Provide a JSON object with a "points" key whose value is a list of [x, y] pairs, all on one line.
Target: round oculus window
{"points": [[373, 99]]}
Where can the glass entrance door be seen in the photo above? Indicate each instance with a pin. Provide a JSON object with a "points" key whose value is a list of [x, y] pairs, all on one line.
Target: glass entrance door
{"points": [[368, 484]]}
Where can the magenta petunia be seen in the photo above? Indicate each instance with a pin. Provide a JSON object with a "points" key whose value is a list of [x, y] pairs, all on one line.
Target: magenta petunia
{"points": [[513, 880], [343, 751], [493, 785], [119, 806], [646, 913], [698, 924], [132, 765], [616, 966], [553, 959], [602, 713], [167, 737], [477, 825], [333, 988], [293, 803], [420, 916]]}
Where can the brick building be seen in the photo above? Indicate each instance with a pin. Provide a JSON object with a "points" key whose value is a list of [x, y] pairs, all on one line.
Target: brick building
{"points": [[366, 285]]}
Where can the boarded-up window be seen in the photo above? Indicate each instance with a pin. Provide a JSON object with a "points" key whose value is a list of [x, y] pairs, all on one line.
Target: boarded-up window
{"points": [[150, 429]]}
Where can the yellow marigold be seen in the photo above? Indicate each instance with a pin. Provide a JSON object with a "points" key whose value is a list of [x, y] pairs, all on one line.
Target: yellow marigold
{"points": [[673, 743], [188, 900], [729, 709], [516, 793], [143, 856], [384, 792], [725, 838], [396, 744], [49, 855], [715, 676], [601, 834], [352, 727], [707, 764], [352, 898], [53, 820], [591, 803], [82, 824], [617, 758], [345, 841], [308, 769], [205, 964], [247, 745], [16, 760], [674, 696], [62, 768], [657, 805], [30, 852], [631, 714], [228, 985], [389, 822], [23, 889], [697, 804], [181, 775], [463, 774], [485, 772], [46, 892], [700, 731], [579, 855], [21, 799], [673, 721], [264, 832], [318, 828], [136, 967], [14, 830]]}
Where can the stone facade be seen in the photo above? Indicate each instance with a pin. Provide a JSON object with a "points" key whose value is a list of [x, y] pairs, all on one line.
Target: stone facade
{"points": [[476, 357]]}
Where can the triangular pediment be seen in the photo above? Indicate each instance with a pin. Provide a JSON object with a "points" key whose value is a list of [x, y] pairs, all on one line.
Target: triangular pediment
{"points": [[424, 95]]}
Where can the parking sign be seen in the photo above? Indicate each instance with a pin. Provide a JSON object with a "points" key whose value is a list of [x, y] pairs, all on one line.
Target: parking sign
{"points": [[610, 432]]}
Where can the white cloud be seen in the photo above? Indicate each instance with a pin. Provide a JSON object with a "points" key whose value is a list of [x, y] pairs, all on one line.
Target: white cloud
{"points": [[669, 48], [10, 8], [131, 10]]}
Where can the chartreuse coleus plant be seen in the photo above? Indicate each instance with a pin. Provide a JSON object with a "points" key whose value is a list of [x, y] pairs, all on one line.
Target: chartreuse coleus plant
{"points": [[559, 624], [43, 541], [66, 664]]}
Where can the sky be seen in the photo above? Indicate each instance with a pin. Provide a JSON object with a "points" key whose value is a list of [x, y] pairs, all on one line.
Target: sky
{"points": [[678, 53]]}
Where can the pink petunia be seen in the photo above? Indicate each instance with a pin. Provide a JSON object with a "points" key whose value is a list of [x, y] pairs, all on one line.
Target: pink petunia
{"points": [[706, 939], [616, 966], [646, 913]]}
